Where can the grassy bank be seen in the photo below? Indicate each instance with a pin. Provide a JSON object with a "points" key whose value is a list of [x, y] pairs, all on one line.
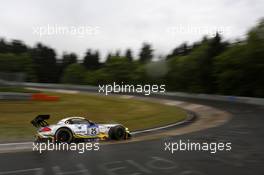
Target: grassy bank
{"points": [[15, 116]]}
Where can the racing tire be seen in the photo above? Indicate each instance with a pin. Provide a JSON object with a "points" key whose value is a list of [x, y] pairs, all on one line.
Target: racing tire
{"points": [[117, 133], [63, 135]]}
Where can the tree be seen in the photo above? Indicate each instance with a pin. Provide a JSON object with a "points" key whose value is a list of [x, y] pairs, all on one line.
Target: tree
{"points": [[194, 72], [108, 57], [146, 53], [15, 47], [18, 47], [183, 73], [240, 69], [11, 63], [215, 46], [181, 50], [118, 69], [45, 65], [68, 59], [117, 54], [74, 74], [4, 47], [128, 55], [229, 71], [91, 60]]}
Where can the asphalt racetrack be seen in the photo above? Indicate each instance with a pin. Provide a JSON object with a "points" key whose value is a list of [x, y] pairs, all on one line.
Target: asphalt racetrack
{"points": [[245, 132]]}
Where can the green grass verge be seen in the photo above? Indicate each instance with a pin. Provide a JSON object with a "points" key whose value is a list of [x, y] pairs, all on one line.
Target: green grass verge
{"points": [[15, 116]]}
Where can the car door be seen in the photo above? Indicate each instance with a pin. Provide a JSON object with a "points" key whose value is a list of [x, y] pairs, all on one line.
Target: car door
{"points": [[79, 126], [92, 129]]}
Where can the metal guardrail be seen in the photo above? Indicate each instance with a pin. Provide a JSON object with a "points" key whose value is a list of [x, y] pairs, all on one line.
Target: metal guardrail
{"points": [[238, 99], [57, 86], [14, 96], [247, 100], [28, 96]]}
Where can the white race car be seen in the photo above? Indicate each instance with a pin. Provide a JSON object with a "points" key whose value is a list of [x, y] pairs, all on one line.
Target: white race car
{"points": [[77, 128]]}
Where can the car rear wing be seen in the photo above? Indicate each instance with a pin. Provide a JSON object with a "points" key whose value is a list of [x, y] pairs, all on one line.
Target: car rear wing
{"points": [[40, 121]]}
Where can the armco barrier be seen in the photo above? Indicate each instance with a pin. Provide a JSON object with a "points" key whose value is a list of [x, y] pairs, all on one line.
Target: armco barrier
{"points": [[14, 96], [247, 100], [27, 96]]}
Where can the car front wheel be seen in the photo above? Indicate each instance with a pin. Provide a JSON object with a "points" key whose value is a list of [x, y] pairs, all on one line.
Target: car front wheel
{"points": [[117, 133]]}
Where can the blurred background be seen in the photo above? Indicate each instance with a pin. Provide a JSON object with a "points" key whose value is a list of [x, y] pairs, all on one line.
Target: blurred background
{"points": [[55, 53], [217, 48], [211, 65], [214, 49]]}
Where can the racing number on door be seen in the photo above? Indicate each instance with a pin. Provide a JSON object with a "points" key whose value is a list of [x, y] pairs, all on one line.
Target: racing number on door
{"points": [[93, 131]]}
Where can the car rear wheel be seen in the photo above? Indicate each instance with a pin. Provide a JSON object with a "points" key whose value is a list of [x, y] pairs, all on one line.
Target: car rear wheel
{"points": [[64, 135], [117, 133]]}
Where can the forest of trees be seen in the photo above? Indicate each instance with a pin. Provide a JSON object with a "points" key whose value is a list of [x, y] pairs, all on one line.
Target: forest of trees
{"points": [[210, 66]]}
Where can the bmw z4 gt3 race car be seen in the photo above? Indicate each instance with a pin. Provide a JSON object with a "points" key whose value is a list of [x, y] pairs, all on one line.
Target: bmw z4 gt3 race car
{"points": [[77, 128]]}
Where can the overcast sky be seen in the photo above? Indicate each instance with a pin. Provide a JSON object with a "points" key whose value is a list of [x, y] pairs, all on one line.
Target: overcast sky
{"points": [[109, 25]]}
